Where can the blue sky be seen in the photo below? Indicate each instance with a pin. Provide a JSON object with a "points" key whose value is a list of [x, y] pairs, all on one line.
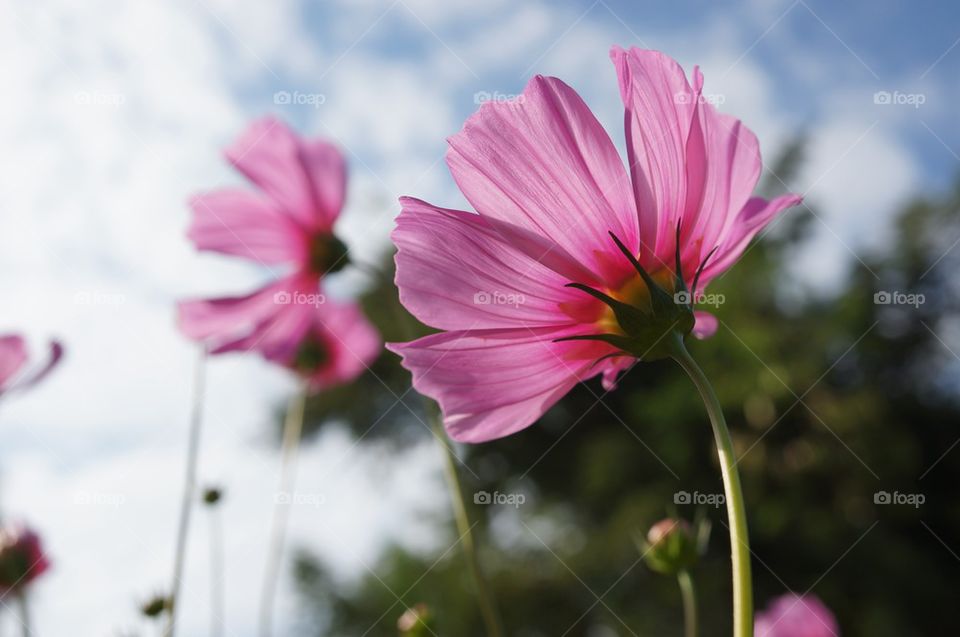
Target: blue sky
{"points": [[115, 113]]}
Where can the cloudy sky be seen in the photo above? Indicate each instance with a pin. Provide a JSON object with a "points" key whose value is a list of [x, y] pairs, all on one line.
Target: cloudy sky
{"points": [[113, 113]]}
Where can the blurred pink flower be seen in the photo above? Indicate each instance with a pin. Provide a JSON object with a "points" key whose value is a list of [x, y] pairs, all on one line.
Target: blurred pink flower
{"points": [[13, 362], [289, 222], [550, 189], [21, 558], [793, 615]]}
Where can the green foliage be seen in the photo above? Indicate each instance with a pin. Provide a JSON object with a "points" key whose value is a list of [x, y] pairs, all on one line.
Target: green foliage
{"points": [[831, 400]]}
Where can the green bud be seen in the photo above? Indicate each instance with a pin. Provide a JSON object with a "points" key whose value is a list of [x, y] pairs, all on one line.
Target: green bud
{"points": [[212, 495], [670, 547], [416, 622], [155, 606]]}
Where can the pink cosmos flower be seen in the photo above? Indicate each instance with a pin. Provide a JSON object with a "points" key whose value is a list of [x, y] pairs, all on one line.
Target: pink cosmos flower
{"points": [[288, 222], [793, 615], [13, 361], [22, 559], [572, 268]]}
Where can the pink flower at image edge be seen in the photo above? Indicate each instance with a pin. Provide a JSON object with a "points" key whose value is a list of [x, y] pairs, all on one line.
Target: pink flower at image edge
{"points": [[793, 615], [22, 558], [549, 189], [14, 358], [287, 222]]}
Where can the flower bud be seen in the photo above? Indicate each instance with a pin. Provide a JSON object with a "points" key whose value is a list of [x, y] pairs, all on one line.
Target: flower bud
{"points": [[212, 495], [671, 546], [155, 606], [416, 622], [21, 558]]}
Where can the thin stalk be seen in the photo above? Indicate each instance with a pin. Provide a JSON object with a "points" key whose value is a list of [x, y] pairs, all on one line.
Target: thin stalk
{"points": [[488, 607], [485, 599], [736, 509], [189, 488], [292, 428], [217, 591], [24, 609], [689, 595]]}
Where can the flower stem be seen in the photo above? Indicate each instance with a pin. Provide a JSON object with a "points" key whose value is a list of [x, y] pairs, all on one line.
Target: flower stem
{"points": [[292, 428], [24, 613], [488, 607], [736, 509], [189, 488], [689, 595], [217, 586]]}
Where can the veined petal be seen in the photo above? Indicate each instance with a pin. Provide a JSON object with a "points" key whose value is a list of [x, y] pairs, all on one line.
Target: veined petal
{"points": [[543, 163], [660, 106], [327, 173], [491, 383], [457, 271], [733, 168], [756, 214], [291, 172], [224, 323], [240, 223]]}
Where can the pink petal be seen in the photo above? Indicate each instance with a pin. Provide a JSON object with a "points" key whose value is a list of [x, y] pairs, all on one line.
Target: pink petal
{"points": [[224, 324], [543, 163], [793, 615], [733, 168], [706, 325], [13, 356], [491, 383], [756, 214], [327, 172], [661, 132], [243, 224], [303, 178], [457, 271]]}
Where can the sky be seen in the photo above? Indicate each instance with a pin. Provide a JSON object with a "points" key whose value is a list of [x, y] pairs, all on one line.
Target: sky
{"points": [[114, 113]]}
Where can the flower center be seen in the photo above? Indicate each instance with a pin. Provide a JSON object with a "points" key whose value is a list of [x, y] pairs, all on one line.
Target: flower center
{"points": [[327, 254], [634, 291], [312, 354]]}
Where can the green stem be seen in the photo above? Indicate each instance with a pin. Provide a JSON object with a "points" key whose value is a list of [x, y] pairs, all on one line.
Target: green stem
{"points": [[689, 603], [189, 488], [24, 613], [485, 600], [736, 509], [488, 608], [218, 604], [292, 428]]}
